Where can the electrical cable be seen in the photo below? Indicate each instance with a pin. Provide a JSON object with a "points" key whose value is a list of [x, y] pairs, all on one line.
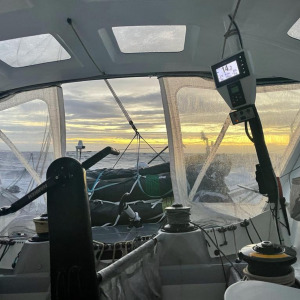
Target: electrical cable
{"points": [[272, 212], [229, 27], [247, 132], [5, 250], [235, 246], [218, 248], [255, 229], [226, 281], [277, 223], [238, 31], [249, 235]]}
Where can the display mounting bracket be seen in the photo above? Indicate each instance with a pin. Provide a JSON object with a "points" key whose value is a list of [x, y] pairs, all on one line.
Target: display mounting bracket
{"points": [[242, 115]]}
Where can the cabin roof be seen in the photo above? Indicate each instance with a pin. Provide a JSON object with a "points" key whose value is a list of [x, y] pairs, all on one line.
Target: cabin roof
{"points": [[97, 54]]}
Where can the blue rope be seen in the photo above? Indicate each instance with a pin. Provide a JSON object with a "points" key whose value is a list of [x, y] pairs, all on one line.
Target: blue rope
{"points": [[115, 183], [93, 189], [105, 186], [95, 183]]}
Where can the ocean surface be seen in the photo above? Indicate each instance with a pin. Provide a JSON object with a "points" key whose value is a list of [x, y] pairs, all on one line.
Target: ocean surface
{"points": [[15, 181], [13, 173]]}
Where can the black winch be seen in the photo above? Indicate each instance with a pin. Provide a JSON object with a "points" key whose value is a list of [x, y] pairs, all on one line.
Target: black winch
{"points": [[41, 228], [178, 219], [269, 262]]}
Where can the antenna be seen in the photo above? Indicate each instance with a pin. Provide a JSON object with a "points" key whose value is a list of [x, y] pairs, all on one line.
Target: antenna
{"points": [[79, 148]]}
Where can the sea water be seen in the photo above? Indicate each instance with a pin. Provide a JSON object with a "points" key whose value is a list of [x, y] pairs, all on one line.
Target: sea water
{"points": [[12, 172]]}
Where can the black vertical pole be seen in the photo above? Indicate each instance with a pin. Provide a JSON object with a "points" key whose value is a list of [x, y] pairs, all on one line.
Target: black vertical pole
{"points": [[72, 265], [268, 174], [264, 158]]}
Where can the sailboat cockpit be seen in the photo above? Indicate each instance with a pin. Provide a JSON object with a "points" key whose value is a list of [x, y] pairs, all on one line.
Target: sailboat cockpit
{"points": [[150, 149]]}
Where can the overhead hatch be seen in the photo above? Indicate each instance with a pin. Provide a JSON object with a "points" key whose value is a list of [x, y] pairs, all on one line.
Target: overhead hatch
{"points": [[32, 50], [149, 39], [294, 31]]}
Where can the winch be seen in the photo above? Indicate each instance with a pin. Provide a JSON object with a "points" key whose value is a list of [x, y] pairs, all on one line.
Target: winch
{"points": [[41, 228], [178, 219], [269, 262]]}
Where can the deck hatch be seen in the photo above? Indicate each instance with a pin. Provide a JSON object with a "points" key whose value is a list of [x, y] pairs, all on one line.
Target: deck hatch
{"points": [[294, 31], [32, 50], [145, 39]]}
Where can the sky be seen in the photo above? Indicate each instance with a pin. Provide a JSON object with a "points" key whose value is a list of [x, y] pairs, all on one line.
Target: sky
{"points": [[92, 115]]}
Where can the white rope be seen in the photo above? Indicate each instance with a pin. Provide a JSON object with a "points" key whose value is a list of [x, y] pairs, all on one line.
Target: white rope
{"points": [[134, 184], [156, 202], [117, 220], [288, 279]]}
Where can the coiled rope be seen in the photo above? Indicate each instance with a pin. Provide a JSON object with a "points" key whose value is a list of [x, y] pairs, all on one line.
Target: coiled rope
{"points": [[178, 216], [288, 279]]}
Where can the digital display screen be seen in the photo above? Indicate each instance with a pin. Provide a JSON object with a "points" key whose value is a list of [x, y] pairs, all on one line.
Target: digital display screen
{"points": [[228, 71], [235, 89]]}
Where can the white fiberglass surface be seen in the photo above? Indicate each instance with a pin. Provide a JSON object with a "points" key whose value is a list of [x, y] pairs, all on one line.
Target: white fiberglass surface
{"points": [[27, 128], [32, 50], [225, 187], [140, 39]]}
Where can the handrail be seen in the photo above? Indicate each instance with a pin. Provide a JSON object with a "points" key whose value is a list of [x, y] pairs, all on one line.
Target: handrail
{"points": [[118, 266]]}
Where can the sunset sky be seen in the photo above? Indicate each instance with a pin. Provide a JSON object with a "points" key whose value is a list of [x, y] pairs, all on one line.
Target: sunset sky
{"points": [[93, 116]]}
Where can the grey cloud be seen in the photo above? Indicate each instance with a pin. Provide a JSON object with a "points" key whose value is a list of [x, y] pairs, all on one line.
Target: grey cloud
{"points": [[80, 109], [90, 110], [153, 99]]}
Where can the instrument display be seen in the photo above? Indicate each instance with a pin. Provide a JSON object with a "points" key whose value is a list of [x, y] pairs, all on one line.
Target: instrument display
{"points": [[235, 81], [228, 71]]}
